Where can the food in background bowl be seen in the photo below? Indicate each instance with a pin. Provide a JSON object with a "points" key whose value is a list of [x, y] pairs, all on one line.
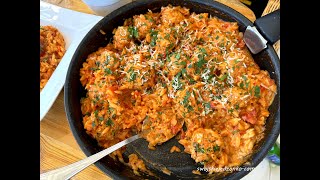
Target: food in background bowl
{"points": [[52, 49], [177, 65]]}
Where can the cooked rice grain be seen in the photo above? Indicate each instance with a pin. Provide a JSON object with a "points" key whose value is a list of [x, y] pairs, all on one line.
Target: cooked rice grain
{"points": [[52, 49]]}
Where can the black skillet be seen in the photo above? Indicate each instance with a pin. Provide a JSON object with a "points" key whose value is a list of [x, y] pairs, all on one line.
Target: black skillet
{"points": [[180, 164]]}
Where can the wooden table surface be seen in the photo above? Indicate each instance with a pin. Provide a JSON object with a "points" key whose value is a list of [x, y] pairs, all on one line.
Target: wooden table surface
{"points": [[58, 147]]}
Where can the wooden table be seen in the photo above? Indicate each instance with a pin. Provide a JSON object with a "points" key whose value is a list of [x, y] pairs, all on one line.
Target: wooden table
{"points": [[57, 145]]}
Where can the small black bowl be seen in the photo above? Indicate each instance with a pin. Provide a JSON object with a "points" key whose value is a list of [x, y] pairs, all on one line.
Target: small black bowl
{"points": [[180, 164]]}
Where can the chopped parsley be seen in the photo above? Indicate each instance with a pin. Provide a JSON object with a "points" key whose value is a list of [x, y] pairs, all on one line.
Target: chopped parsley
{"points": [[107, 60], [176, 83], [217, 97], [207, 105], [198, 148], [200, 63], [186, 99], [191, 81], [223, 77], [203, 50], [170, 45], [216, 148], [188, 58], [183, 71], [154, 37], [149, 18], [257, 91], [177, 56], [190, 108], [235, 131], [109, 122], [133, 32], [96, 113], [110, 109], [94, 68], [132, 75], [167, 36], [107, 71], [184, 114], [201, 40], [241, 85], [100, 118], [245, 82], [183, 62]]}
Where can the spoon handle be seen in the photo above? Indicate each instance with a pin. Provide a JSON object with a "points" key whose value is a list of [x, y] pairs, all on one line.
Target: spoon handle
{"points": [[68, 171]]}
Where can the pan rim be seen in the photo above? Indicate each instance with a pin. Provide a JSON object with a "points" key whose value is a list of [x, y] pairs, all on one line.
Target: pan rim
{"points": [[270, 139]]}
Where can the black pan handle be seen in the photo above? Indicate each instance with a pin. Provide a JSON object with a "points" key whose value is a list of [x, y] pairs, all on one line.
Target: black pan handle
{"points": [[269, 26]]}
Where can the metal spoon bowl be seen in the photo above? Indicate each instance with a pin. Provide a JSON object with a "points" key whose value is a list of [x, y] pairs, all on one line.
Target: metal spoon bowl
{"points": [[69, 171]]}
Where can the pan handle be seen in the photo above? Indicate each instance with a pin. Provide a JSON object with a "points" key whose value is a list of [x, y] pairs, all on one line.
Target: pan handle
{"points": [[269, 26]]}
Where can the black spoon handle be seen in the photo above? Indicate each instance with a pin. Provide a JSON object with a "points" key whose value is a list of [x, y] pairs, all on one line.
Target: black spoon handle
{"points": [[269, 26]]}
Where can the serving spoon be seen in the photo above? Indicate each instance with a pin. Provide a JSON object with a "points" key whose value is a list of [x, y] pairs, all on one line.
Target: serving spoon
{"points": [[69, 171]]}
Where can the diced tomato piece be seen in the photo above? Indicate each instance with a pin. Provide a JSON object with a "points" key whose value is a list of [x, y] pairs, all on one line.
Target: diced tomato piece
{"points": [[174, 129], [212, 104], [182, 135], [250, 116], [225, 25], [241, 43]]}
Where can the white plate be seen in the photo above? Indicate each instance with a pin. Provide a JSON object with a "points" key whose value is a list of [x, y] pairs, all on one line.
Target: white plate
{"points": [[73, 26]]}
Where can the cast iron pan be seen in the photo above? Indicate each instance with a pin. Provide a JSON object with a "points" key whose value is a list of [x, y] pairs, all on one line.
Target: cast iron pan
{"points": [[180, 164]]}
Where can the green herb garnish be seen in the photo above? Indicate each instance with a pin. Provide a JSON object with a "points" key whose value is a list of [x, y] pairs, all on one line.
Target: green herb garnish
{"points": [[223, 77], [96, 113], [100, 118], [107, 60], [216, 148], [177, 56], [133, 32], [132, 75], [109, 122], [199, 149], [257, 91], [107, 71], [186, 99], [241, 85], [207, 105], [203, 50], [154, 37], [167, 36]]}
